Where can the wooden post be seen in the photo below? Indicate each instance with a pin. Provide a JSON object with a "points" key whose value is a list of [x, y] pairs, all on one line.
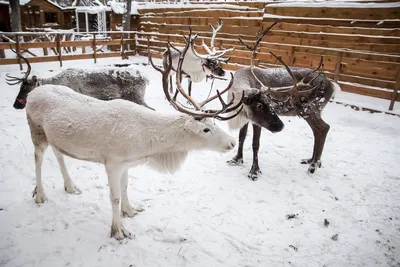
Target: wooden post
{"points": [[18, 49], [396, 89], [122, 47], [292, 52], [338, 66], [59, 48], [94, 48]]}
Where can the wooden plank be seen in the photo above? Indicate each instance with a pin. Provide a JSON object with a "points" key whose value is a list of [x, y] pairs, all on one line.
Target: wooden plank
{"points": [[338, 65], [76, 43], [328, 21], [345, 38], [38, 45], [209, 13], [336, 13], [94, 48], [310, 28], [371, 69], [202, 21], [59, 50], [179, 29], [367, 91], [395, 91], [108, 42], [327, 51], [374, 47], [18, 50], [367, 81], [7, 46]]}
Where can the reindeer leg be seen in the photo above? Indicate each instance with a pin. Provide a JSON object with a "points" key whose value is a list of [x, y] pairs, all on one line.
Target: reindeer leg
{"points": [[238, 159], [190, 87], [171, 89], [127, 209], [320, 130], [255, 169]]}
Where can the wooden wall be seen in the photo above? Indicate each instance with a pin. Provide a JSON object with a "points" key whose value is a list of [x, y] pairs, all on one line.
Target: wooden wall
{"points": [[360, 44]]}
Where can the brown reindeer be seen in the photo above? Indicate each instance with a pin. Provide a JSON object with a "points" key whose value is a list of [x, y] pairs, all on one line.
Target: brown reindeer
{"points": [[283, 91]]}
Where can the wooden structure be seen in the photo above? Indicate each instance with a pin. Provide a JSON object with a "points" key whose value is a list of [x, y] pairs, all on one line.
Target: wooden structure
{"points": [[44, 13]]}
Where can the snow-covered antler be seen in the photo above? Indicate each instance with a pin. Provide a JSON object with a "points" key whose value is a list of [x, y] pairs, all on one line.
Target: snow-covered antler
{"points": [[213, 53]]}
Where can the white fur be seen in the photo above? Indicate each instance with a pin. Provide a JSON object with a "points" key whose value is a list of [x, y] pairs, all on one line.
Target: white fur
{"points": [[192, 65], [118, 133], [336, 88]]}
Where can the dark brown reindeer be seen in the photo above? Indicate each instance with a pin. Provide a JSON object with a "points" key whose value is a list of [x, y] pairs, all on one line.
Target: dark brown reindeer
{"points": [[283, 91]]}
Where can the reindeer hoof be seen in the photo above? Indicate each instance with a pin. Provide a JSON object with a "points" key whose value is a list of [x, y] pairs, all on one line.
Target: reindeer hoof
{"points": [[40, 196], [120, 233], [72, 189], [235, 161], [253, 174], [313, 166], [130, 211], [306, 161]]}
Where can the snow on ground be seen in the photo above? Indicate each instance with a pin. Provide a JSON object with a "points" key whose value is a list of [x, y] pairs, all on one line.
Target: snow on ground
{"points": [[209, 213]]}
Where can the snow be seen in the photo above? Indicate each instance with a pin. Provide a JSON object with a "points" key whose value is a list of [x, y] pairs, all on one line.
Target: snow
{"points": [[334, 4], [209, 213], [267, 15], [119, 7]]}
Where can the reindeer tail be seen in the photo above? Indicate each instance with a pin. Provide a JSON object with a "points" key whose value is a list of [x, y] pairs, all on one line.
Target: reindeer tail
{"points": [[336, 88]]}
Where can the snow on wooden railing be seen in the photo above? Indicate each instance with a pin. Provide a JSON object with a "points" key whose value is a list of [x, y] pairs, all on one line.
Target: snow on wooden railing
{"points": [[63, 45]]}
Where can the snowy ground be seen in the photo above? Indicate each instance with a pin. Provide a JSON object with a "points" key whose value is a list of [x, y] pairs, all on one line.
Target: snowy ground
{"points": [[209, 213]]}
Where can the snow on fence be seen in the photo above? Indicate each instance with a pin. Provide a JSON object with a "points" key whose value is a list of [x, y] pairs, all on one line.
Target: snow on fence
{"points": [[360, 42], [62, 45]]}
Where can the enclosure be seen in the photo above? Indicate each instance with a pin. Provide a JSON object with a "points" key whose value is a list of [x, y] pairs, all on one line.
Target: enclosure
{"points": [[209, 213]]}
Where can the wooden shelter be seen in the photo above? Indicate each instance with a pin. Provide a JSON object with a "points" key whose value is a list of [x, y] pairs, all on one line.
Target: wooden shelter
{"points": [[44, 13]]}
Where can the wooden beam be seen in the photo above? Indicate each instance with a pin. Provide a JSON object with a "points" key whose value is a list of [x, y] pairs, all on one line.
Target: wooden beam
{"points": [[395, 91]]}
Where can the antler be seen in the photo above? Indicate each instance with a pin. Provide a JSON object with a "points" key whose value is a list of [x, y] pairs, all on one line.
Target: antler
{"points": [[284, 90], [199, 113], [213, 53], [12, 80]]}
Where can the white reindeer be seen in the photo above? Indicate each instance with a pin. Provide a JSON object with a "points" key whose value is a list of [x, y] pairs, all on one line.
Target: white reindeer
{"points": [[196, 66], [119, 134]]}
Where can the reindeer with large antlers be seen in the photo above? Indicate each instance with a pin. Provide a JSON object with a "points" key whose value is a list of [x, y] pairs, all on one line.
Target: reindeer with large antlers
{"points": [[121, 134], [280, 91], [195, 66]]}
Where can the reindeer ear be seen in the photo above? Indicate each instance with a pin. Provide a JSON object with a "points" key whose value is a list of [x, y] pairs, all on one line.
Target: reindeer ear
{"points": [[250, 96], [34, 78]]}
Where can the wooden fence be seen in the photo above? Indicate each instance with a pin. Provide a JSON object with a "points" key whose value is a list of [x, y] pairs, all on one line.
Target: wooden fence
{"points": [[58, 47], [360, 45]]}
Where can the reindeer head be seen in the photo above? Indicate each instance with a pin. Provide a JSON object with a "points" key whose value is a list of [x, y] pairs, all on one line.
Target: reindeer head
{"points": [[198, 120], [212, 61], [259, 110], [27, 85]]}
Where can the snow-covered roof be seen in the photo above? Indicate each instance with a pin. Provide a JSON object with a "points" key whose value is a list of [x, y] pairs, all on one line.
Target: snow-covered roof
{"points": [[119, 8]]}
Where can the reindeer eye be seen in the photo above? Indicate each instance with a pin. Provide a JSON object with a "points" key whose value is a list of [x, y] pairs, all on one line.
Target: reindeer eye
{"points": [[206, 130], [259, 106]]}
